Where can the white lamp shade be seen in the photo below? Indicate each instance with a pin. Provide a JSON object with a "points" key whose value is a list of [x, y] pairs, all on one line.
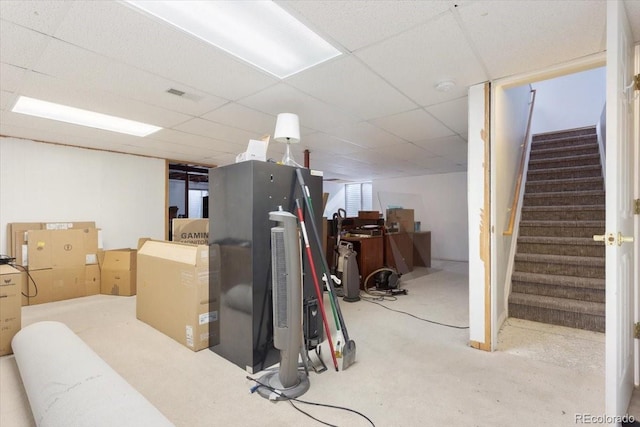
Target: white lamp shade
{"points": [[287, 128]]}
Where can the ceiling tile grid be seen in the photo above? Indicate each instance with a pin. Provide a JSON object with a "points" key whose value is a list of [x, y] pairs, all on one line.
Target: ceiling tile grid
{"points": [[372, 112]]}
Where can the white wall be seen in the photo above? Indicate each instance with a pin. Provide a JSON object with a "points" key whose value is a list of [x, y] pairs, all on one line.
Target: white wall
{"points": [[439, 203], [336, 198], [123, 194], [570, 101], [511, 109]]}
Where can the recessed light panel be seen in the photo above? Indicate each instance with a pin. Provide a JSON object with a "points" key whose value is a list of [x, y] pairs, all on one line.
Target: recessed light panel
{"points": [[77, 116], [258, 32]]}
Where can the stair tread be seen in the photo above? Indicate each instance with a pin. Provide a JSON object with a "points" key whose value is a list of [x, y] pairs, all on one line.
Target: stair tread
{"points": [[560, 223], [557, 303], [556, 279], [565, 158], [569, 180], [539, 138], [548, 150], [578, 241], [576, 193], [568, 168], [561, 259], [564, 208]]}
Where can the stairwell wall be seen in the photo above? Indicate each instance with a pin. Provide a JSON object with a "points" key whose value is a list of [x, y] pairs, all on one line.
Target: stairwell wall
{"points": [[568, 102], [511, 106]]}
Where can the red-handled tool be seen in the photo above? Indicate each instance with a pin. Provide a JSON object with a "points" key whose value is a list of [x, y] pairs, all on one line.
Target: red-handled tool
{"points": [[315, 282]]}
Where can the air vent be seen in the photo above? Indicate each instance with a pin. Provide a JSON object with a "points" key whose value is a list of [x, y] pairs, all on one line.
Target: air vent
{"points": [[176, 92]]}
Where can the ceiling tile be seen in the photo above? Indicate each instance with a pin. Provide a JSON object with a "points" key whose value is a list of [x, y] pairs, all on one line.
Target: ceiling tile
{"points": [[186, 141], [453, 148], [364, 134], [328, 144], [313, 113], [119, 32], [242, 117], [43, 16], [11, 77], [452, 114], [515, 37], [80, 67], [7, 100], [415, 61], [413, 125], [20, 46], [348, 84], [59, 91], [354, 24], [216, 130]]}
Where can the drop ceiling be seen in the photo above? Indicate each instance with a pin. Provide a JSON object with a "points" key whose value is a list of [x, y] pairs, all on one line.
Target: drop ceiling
{"points": [[371, 113]]}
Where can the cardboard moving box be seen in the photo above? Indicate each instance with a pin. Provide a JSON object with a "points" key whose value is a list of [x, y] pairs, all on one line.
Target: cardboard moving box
{"points": [[189, 230], [403, 218], [173, 293], [55, 284], [118, 272], [10, 306], [92, 279]]}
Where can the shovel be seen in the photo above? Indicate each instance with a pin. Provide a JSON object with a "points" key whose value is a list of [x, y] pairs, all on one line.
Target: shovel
{"points": [[349, 347]]}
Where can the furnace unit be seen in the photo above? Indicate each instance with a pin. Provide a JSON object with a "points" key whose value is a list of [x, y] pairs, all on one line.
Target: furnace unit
{"points": [[241, 195]]}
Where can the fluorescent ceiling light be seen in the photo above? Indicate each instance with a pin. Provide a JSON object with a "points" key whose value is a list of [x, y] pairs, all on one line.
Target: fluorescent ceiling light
{"points": [[258, 32], [63, 113]]}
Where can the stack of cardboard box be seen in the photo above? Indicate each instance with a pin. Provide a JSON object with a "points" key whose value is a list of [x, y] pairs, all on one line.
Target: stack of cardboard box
{"points": [[60, 259], [10, 306], [118, 272]]}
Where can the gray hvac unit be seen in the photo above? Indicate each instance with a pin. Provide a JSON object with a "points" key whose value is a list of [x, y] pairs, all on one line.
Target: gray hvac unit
{"points": [[241, 196]]}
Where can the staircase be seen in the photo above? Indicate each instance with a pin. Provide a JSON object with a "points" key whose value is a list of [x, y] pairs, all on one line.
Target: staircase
{"points": [[559, 271]]}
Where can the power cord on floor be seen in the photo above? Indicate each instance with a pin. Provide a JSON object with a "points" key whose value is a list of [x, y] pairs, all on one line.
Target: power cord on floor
{"points": [[35, 285], [383, 298], [292, 399]]}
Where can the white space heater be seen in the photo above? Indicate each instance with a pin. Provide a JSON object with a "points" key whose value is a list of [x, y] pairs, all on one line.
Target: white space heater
{"points": [[286, 277]]}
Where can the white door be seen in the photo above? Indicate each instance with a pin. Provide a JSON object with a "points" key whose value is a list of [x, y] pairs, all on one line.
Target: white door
{"points": [[619, 212]]}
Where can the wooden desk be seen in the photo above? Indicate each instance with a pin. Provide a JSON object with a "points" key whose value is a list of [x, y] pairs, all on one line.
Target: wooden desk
{"points": [[370, 254]]}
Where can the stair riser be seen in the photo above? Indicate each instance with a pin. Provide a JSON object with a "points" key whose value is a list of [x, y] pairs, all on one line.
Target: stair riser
{"points": [[542, 153], [593, 295], [544, 175], [560, 269], [563, 163], [568, 215], [561, 231], [564, 200], [534, 187], [556, 317], [570, 250]]}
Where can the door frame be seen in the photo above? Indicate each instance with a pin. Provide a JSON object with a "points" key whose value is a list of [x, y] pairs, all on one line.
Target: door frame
{"points": [[489, 326]]}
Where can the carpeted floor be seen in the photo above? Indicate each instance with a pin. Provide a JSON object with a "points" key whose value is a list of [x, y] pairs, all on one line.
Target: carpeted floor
{"points": [[409, 371]]}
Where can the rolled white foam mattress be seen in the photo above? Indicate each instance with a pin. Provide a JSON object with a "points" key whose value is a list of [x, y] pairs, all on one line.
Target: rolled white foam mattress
{"points": [[69, 385]]}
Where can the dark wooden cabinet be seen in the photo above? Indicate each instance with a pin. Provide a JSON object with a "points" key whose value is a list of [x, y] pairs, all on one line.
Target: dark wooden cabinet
{"points": [[370, 255], [398, 251], [422, 249]]}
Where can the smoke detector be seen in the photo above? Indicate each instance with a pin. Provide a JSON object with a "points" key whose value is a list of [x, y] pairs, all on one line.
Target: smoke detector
{"points": [[445, 86]]}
